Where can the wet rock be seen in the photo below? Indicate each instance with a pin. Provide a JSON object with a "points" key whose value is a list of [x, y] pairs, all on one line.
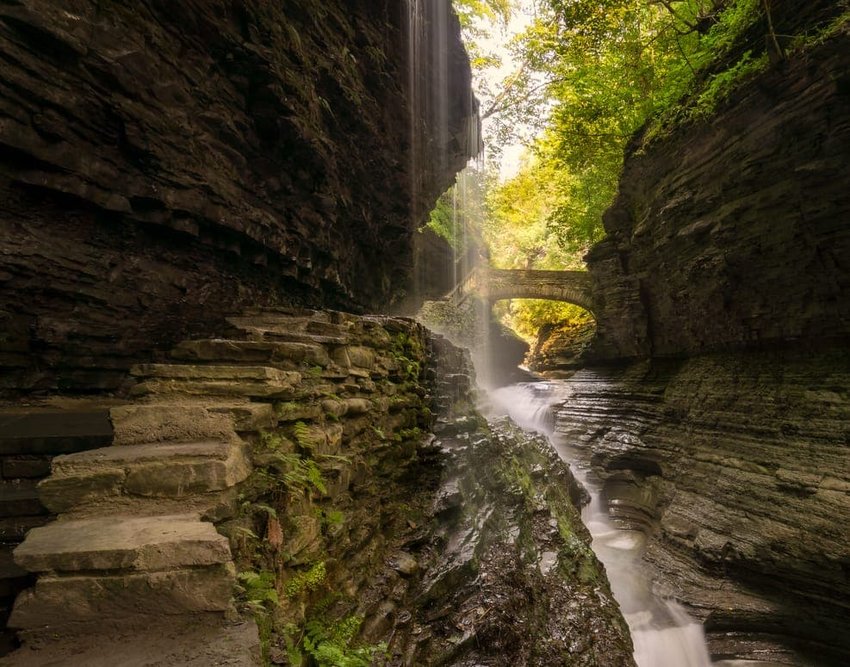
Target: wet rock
{"points": [[405, 564], [747, 513]]}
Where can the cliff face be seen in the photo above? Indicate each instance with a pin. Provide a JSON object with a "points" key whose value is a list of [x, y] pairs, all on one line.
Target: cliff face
{"points": [[734, 232], [738, 468], [163, 164], [728, 250]]}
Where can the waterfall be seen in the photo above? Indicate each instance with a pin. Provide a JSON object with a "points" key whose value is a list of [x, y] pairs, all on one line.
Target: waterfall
{"points": [[662, 633]]}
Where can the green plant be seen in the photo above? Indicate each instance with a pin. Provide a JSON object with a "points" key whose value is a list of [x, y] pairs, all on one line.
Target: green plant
{"points": [[408, 434], [308, 580], [304, 436], [723, 83], [296, 472], [258, 589], [330, 518], [333, 645]]}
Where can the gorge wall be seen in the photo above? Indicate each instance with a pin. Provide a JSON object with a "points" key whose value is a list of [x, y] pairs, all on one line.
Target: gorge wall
{"points": [[733, 232], [726, 269], [163, 165]]}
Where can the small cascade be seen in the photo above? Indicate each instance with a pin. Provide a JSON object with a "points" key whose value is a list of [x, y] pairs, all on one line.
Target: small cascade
{"points": [[662, 633]]}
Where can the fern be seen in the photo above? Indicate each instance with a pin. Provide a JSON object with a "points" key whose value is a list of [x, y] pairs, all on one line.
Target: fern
{"points": [[304, 436], [331, 645], [259, 589]]}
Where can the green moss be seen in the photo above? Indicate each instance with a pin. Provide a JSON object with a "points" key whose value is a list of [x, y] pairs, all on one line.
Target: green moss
{"points": [[817, 37], [720, 86], [310, 580]]}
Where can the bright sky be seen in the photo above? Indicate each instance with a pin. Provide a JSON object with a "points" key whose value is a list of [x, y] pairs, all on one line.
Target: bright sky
{"points": [[495, 42]]}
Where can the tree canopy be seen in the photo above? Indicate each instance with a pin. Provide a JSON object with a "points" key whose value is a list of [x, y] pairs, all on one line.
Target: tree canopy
{"points": [[587, 76]]}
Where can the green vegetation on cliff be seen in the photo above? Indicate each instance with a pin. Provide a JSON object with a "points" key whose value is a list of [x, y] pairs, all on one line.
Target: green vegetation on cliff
{"points": [[593, 80]]}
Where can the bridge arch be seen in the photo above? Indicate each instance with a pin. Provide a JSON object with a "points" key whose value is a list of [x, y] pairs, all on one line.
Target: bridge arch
{"points": [[497, 284]]}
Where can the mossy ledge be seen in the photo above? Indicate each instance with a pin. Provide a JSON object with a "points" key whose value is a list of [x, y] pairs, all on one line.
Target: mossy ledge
{"points": [[363, 538]]}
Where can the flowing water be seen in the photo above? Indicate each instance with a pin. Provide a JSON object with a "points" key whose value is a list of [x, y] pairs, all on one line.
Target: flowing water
{"points": [[662, 632]]}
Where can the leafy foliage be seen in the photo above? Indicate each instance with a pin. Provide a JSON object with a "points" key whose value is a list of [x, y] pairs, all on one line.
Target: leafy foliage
{"points": [[333, 645], [258, 588], [309, 580], [296, 472], [589, 75]]}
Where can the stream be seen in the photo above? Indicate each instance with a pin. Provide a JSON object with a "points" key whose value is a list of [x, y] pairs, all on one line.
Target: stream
{"points": [[662, 633]]}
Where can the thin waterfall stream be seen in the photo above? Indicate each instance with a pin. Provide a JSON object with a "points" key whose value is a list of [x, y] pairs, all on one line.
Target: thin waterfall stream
{"points": [[662, 633]]}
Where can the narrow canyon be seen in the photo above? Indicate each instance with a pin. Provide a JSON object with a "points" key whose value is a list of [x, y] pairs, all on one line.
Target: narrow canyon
{"points": [[231, 433]]}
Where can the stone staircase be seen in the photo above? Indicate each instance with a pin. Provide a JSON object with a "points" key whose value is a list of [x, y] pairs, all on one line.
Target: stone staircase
{"points": [[29, 439], [130, 538], [134, 537]]}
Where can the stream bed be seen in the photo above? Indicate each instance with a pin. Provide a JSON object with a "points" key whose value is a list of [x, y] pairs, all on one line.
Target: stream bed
{"points": [[662, 632]]}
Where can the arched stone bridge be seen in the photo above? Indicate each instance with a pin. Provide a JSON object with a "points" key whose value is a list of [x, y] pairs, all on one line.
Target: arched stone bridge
{"points": [[497, 284]]}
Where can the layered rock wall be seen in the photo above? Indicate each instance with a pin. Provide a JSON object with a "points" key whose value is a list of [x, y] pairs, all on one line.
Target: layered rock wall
{"points": [[733, 232], [739, 469], [726, 263], [162, 165]]}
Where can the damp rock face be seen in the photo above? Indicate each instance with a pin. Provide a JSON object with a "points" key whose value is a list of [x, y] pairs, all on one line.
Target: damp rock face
{"points": [[732, 232], [725, 269], [162, 166], [737, 466]]}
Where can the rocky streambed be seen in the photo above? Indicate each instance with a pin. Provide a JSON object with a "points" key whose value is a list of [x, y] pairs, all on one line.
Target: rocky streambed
{"points": [[736, 467]]}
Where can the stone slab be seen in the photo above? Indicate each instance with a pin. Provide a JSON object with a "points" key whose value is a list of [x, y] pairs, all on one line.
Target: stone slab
{"points": [[214, 372], [144, 423], [187, 421], [214, 388], [197, 640], [169, 470], [122, 543], [249, 352], [58, 601]]}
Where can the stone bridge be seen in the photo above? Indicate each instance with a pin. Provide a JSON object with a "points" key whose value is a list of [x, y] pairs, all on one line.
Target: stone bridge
{"points": [[497, 284]]}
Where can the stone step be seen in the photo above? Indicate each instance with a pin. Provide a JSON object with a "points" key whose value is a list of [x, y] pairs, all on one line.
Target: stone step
{"points": [[160, 470], [215, 380], [189, 421], [281, 354], [198, 640], [119, 567], [119, 542], [40, 430], [269, 328], [56, 601]]}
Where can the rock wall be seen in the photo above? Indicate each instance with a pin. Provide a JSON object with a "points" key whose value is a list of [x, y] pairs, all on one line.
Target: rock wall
{"points": [[726, 264], [418, 543], [739, 468], [308, 439], [162, 166], [733, 232]]}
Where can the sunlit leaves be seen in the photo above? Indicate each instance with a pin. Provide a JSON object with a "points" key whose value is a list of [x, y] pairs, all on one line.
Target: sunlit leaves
{"points": [[470, 12]]}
